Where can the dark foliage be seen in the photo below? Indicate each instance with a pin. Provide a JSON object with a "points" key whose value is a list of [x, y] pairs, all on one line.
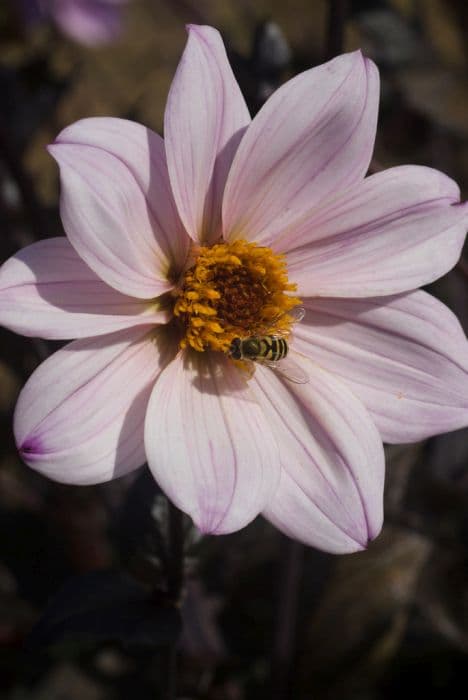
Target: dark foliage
{"points": [[261, 618], [106, 606]]}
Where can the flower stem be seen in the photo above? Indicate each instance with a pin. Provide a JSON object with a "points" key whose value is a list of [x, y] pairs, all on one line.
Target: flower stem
{"points": [[174, 582], [175, 564]]}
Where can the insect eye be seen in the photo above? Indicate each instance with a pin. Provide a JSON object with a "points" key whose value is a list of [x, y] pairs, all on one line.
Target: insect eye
{"points": [[235, 349]]}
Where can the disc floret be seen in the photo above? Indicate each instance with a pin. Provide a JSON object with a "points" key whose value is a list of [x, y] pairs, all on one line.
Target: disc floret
{"points": [[233, 290]]}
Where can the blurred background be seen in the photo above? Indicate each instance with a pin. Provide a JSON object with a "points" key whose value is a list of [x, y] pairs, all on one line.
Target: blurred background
{"points": [[262, 617]]}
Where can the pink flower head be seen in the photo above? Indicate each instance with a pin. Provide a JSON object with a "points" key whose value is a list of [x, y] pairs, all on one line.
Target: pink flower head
{"points": [[89, 22], [179, 249]]}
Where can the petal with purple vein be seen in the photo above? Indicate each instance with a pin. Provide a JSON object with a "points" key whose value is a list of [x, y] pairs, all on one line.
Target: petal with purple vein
{"points": [[331, 488], [312, 138], [208, 443], [108, 221], [405, 357], [205, 118], [142, 151], [47, 291], [397, 230], [79, 419]]}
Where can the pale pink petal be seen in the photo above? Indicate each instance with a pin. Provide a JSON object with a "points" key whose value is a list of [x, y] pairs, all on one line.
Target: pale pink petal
{"points": [[90, 22], [142, 151], [397, 230], [80, 417], [405, 357], [312, 138], [331, 489], [108, 220], [47, 291], [208, 443], [205, 118], [378, 200]]}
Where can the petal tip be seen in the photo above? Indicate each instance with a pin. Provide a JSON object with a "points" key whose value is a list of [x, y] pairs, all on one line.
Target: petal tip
{"points": [[356, 56], [204, 34], [464, 208], [215, 522], [361, 541], [209, 523], [53, 149], [31, 449], [368, 62], [373, 531], [200, 28], [364, 546]]}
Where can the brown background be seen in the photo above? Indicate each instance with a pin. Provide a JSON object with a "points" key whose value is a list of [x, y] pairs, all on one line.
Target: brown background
{"points": [[264, 618]]}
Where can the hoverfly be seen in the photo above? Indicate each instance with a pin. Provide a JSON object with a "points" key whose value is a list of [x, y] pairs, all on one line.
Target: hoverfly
{"points": [[271, 350]]}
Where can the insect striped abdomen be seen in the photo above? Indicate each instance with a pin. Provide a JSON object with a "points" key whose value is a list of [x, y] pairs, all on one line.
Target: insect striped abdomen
{"points": [[272, 348]]}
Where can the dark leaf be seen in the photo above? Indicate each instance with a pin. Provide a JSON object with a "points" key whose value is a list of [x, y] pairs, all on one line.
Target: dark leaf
{"points": [[106, 606], [358, 626]]}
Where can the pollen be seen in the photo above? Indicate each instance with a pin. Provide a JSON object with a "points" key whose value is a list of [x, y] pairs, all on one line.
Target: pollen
{"points": [[237, 289]]}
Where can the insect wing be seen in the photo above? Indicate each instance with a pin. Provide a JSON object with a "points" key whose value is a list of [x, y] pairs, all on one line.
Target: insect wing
{"points": [[247, 367], [297, 313], [289, 369]]}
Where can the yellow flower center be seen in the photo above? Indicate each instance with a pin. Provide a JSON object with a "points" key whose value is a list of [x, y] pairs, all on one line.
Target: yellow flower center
{"points": [[234, 290]]}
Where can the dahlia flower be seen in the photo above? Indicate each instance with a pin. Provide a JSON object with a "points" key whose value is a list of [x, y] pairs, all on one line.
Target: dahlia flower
{"points": [[89, 22], [177, 248]]}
